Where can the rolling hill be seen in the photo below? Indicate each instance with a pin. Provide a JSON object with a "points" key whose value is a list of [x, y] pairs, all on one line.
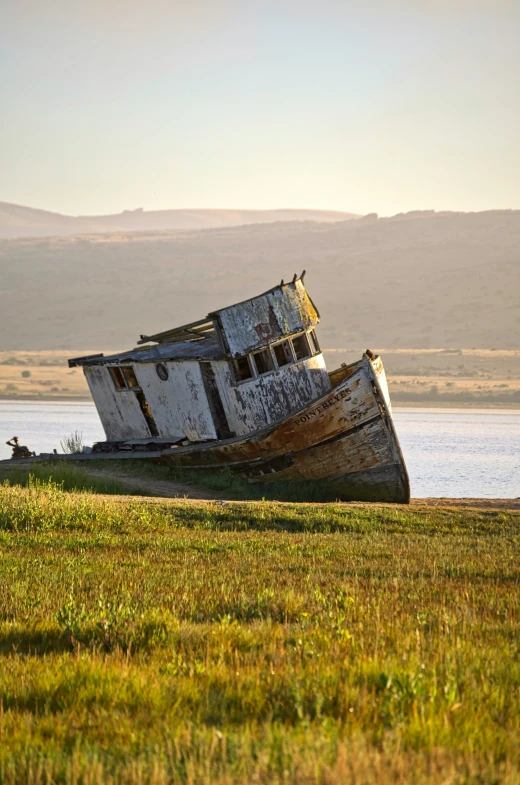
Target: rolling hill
{"points": [[420, 279], [19, 221]]}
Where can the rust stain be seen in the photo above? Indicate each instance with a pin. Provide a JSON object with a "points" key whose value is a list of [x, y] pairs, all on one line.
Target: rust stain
{"points": [[269, 331], [339, 439]]}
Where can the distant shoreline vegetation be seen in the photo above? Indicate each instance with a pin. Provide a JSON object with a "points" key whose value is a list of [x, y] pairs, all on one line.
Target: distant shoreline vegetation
{"points": [[479, 378], [457, 399], [404, 400]]}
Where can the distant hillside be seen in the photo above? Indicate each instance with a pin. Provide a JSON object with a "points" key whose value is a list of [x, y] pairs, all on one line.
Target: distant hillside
{"points": [[18, 221], [415, 280]]}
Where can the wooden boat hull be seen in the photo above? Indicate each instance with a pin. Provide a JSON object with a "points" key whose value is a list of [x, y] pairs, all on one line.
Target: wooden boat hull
{"points": [[345, 440]]}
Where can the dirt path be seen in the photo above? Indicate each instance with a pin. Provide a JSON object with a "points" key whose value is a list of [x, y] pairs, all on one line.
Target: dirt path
{"points": [[482, 504], [169, 489]]}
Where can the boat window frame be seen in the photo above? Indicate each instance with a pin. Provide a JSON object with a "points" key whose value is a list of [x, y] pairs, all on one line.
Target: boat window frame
{"points": [[161, 369], [311, 342], [117, 374], [305, 338], [287, 342], [265, 350], [234, 362], [130, 377]]}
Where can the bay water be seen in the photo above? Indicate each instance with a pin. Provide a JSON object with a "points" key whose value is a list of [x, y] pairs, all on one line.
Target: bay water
{"points": [[454, 453]]}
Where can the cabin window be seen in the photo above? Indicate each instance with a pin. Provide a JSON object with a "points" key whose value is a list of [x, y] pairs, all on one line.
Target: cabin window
{"points": [[242, 369], [124, 378], [315, 347], [301, 347], [117, 378], [263, 361], [283, 354], [130, 377]]}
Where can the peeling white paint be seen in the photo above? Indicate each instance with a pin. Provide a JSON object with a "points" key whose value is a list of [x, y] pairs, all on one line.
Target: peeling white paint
{"points": [[377, 365], [179, 405], [267, 318], [118, 410], [253, 404]]}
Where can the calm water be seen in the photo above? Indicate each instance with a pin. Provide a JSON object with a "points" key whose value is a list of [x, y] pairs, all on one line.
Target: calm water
{"points": [[449, 452]]}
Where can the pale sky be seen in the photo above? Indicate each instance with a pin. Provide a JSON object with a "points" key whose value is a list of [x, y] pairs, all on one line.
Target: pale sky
{"points": [[372, 105]]}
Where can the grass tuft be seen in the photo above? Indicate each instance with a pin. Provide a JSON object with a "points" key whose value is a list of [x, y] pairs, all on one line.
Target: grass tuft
{"points": [[65, 476], [73, 443]]}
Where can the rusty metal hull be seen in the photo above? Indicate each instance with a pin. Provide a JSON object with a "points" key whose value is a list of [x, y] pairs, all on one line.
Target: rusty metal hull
{"points": [[345, 439]]}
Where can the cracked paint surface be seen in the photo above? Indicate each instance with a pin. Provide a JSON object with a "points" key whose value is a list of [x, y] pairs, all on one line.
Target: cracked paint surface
{"points": [[257, 322]]}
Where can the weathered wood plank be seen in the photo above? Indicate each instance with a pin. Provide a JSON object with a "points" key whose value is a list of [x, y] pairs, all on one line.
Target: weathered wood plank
{"points": [[261, 320]]}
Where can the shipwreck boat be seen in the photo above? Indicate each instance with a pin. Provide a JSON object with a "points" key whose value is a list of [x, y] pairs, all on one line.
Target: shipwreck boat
{"points": [[247, 387]]}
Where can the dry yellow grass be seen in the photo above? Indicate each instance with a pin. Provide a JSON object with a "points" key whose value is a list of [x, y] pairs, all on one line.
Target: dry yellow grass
{"points": [[42, 374]]}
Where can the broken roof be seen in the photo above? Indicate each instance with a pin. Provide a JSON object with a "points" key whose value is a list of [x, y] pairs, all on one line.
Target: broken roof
{"points": [[194, 330], [246, 326], [206, 348]]}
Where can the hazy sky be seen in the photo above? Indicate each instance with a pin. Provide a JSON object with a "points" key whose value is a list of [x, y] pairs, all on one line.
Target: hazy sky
{"points": [[362, 106]]}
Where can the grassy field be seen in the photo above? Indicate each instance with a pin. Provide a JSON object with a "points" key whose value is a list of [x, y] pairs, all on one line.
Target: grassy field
{"points": [[155, 641]]}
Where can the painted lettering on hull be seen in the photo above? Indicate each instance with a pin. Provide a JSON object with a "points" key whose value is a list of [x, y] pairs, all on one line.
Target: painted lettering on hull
{"points": [[322, 407]]}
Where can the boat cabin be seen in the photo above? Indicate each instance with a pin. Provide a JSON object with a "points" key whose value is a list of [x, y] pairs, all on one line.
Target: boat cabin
{"points": [[235, 372]]}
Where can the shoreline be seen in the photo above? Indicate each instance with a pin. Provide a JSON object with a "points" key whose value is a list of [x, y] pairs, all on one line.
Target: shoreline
{"points": [[396, 403], [158, 489]]}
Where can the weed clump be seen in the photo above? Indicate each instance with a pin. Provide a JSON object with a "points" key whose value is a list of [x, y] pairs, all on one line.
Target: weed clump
{"points": [[113, 624], [72, 444], [65, 476]]}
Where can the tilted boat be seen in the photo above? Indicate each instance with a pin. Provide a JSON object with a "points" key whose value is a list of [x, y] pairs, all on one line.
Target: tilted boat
{"points": [[247, 388]]}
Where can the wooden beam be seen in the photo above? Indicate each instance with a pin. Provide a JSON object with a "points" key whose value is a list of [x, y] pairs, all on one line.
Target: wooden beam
{"points": [[161, 337]]}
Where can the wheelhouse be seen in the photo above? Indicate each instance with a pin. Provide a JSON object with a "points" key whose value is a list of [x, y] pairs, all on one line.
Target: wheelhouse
{"points": [[238, 370]]}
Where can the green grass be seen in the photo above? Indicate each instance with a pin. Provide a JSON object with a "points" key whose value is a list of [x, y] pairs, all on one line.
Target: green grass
{"points": [[220, 482], [171, 641], [68, 477], [223, 482]]}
